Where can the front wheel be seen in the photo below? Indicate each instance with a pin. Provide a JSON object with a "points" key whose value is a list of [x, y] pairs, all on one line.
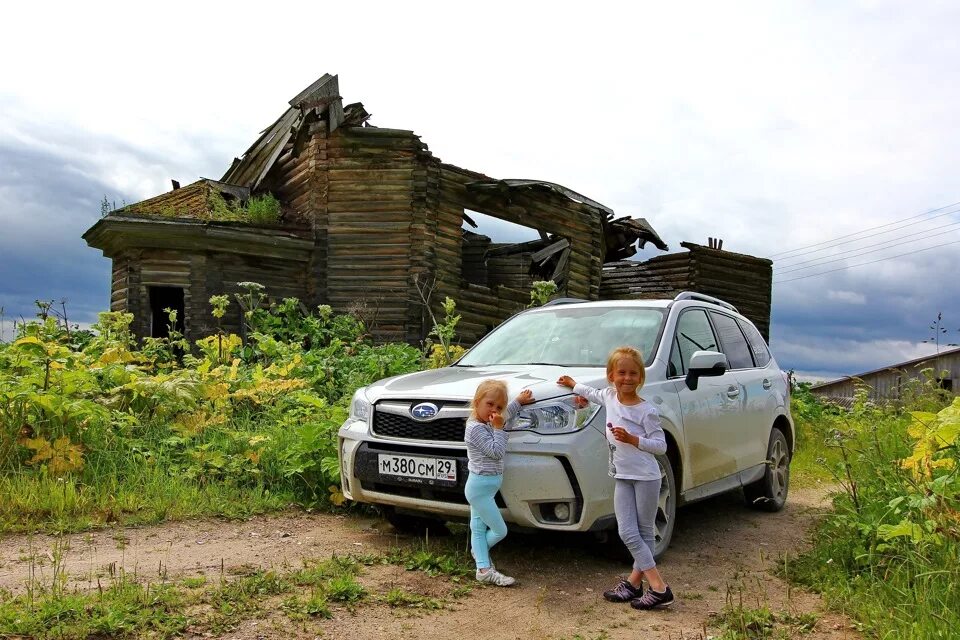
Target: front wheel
{"points": [[769, 493], [664, 520], [666, 507]]}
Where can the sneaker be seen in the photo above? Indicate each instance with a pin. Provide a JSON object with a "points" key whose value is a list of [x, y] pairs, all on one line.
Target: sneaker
{"points": [[623, 592], [653, 599], [494, 577]]}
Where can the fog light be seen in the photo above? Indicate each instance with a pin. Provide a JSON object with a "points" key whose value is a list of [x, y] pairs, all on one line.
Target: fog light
{"points": [[561, 511]]}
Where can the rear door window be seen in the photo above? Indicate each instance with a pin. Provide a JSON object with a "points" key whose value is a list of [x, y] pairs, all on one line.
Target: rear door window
{"points": [[733, 342], [761, 355]]}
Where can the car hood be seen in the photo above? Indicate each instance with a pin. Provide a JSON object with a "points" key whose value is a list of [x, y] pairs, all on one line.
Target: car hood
{"points": [[460, 383]]}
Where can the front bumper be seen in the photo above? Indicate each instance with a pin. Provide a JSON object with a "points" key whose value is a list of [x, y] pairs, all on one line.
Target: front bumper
{"points": [[539, 473]]}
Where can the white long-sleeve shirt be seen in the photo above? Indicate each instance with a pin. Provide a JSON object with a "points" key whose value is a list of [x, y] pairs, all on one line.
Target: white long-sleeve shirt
{"points": [[628, 462]]}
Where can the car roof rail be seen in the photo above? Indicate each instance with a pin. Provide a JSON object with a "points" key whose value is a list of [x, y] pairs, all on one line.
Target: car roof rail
{"points": [[557, 301], [693, 295]]}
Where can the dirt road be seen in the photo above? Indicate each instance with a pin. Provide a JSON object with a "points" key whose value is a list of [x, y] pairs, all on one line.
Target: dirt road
{"points": [[720, 550]]}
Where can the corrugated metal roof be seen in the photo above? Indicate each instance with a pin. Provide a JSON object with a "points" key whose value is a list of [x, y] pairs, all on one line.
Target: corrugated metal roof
{"points": [[902, 365]]}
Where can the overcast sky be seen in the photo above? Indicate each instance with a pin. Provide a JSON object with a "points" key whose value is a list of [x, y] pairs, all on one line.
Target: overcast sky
{"points": [[774, 126]]}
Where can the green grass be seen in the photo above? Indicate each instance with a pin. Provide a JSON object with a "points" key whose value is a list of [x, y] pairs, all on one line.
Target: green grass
{"points": [[401, 598], [144, 495], [166, 610], [737, 622]]}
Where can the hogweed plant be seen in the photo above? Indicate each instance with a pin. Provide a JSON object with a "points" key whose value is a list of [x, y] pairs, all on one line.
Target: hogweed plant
{"points": [[109, 432]]}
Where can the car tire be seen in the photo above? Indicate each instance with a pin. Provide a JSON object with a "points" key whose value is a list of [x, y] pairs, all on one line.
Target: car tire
{"points": [[769, 493], [609, 541], [666, 507], [415, 525]]}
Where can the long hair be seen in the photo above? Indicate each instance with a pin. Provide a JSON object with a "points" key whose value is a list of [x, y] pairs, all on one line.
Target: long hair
{"points": [[626, 352], [498, 387]]}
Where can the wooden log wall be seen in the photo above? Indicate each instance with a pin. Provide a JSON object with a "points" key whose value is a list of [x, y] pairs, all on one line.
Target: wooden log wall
{"points": [[743, 281], [473, 253], [120, 283], [200, 275], [626, 280], [578, 223], [299, 179], [152, 268], [371, 223]]}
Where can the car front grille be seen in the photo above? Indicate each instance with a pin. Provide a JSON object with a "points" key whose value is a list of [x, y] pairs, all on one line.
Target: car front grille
{"points": [[396, 426]]}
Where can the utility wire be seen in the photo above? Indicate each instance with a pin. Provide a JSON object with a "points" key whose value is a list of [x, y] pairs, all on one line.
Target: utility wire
{"points": [[879, 233], [901, 240], [817, 244], [899, 255]]}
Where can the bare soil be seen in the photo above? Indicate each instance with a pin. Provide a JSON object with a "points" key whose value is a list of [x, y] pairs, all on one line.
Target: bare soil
{"points": [[722, 552]]}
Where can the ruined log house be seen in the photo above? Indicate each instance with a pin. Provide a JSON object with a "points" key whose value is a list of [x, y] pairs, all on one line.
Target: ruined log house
{"points": [[369, 221]]}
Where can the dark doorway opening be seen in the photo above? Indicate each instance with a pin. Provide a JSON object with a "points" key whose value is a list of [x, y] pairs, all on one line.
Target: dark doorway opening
{"points": [[165, 298]]}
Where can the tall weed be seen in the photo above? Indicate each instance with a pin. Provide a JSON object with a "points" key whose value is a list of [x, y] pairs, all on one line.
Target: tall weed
{"points": [[889, 552], [107, 432]]}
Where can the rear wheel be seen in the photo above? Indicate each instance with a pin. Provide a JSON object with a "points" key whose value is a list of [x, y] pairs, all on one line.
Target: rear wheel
{"points": [[769, 493], [413, 524]]}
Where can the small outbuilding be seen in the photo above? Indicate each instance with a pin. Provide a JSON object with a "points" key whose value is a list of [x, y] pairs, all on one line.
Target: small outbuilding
{"points": [[888, 384]]}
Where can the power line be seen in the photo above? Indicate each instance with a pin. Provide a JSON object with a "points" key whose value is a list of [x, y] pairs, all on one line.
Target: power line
{"points": [[899, 255], [879, 233], [919, 215], [933, 233]]}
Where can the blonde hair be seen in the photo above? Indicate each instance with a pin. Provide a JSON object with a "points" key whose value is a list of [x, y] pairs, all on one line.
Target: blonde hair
{"points": [[629, 353], [486, 387]]}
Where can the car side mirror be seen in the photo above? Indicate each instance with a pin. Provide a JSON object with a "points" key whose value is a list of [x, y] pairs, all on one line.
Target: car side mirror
{"points": [[704, 364]]}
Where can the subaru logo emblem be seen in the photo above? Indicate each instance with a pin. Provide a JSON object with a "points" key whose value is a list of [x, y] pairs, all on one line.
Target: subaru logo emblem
{"points": [[424, 411]]}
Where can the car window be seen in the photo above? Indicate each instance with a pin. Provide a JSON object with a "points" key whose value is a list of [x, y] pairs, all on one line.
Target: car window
{"points": [[693, 333], [580, 336], [761, 355], [731, 339]]}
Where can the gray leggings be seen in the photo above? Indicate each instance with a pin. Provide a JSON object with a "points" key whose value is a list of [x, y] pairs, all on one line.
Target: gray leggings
{"points": [[635, 503]]}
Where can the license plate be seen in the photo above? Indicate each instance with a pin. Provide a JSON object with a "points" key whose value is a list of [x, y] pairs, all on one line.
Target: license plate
{"points": [[418, 468]]}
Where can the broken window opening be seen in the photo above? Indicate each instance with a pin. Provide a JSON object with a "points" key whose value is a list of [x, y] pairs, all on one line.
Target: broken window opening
{"points": [[497, 252], [165, 298]]}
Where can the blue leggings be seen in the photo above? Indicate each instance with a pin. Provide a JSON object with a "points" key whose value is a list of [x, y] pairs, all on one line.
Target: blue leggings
{"points": [[487, 527], [635, 502]]}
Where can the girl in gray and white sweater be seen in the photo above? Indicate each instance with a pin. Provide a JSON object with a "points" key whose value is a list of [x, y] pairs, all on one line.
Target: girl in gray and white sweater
{"points": [[486, 446]]}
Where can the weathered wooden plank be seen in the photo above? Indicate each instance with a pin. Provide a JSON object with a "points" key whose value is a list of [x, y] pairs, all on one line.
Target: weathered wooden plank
{"points": [[403, 175], [346, 205]]}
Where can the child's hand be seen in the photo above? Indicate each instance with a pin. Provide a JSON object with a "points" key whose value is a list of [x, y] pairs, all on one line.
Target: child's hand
{"points": [[622, 435], [496, 420], [526, 397], [566, 381]]}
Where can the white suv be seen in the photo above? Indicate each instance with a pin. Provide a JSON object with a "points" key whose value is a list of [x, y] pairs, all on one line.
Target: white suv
{"points": [[722, 398]]}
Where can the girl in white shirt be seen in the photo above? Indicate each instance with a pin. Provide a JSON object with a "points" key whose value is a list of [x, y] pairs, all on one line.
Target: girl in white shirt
{"points": [[635, 439]]}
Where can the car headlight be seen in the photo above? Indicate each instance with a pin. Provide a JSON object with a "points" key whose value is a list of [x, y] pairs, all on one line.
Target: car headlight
{"points": [[359, 406], [556, 416]]}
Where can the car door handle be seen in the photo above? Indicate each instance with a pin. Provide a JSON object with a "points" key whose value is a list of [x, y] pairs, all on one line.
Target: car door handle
{"points": [[767, 384], [733, 392]]}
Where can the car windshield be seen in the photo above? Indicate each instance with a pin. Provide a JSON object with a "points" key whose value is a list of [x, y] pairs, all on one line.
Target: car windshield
{"points": [[569, 337]]}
